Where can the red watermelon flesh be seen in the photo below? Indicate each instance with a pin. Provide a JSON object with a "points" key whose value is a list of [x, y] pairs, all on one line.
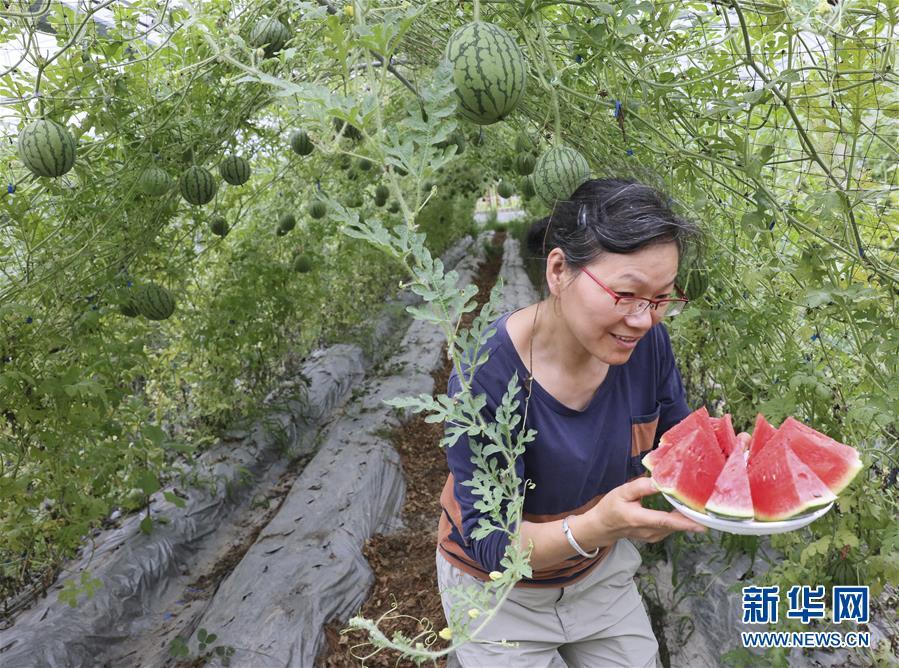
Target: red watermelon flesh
{"points": [[835, 463], [760, 436], [731, 496], [698, 419], [724, 432], [690, 468], [781, 485]]}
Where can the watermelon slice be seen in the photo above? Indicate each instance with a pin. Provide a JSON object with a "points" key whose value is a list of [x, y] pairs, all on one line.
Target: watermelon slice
{"points": [[760, 436], [698, 419], [781, 485], [690, 468], [724, 432], [834, 462], [731, 496]]}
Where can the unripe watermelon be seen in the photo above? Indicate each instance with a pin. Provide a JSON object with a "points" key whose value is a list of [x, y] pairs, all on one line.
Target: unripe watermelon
{"points": [[154, 302], [351, 131], [364, 164], [125, 299], [489, 71], [382, 192], [46, 148], [523, 143], [271, 34], [558, 173], [235, 170], [504, 190], [354, 201], [219, 226], [301, 264], [154, 182], [300, 142], [527, 187], [318, 209], [525, 163], [287, 222], [696, 283], [198, 185]]}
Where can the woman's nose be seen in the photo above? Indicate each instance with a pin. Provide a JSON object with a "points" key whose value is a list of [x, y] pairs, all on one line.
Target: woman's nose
{"points": [[640, 320]]}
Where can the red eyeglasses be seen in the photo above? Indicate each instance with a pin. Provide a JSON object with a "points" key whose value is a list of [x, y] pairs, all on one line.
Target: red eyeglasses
{"points": [[637, 305]]}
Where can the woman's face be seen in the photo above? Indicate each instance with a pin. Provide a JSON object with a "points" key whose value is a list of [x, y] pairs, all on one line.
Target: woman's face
{"points": [[589, 311]]}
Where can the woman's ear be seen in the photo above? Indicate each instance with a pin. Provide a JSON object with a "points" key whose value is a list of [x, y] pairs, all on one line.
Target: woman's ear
{"points": [[556, 269]]}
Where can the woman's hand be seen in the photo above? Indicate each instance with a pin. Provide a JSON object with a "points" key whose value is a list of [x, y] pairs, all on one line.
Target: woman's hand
{"points": [[619, 514]]}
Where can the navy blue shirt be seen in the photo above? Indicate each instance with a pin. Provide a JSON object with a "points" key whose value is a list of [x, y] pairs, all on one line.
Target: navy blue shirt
{"points": [[577, 456]]}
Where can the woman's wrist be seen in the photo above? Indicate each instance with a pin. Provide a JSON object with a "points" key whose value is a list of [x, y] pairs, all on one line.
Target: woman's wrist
{"points": [[589, 534]]}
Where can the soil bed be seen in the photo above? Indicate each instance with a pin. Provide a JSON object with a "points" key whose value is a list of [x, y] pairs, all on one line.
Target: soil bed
{"points": [[403, 562]]}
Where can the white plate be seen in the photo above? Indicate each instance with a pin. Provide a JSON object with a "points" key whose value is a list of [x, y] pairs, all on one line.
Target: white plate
{"points": [[748, 527]]}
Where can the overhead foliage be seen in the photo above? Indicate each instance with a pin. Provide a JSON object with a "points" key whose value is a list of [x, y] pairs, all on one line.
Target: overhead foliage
{"points": [[773, 124]]}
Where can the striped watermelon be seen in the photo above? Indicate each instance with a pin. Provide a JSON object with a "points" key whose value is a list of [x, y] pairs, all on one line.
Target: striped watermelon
{"points": [[318, 208], [154, 182], [301, 264], [504, 190], [219, 226], [489, 71], [525, 163], [271, 34], [558, 173], [198, 185], [154, 302], [235, 170], [300, 142], [287, 222], [46, 148], [527, 187]]}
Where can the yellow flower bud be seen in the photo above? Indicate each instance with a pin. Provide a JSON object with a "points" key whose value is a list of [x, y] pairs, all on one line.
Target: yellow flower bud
{"points": [[446, 634], [349, 11], [495, 575]]}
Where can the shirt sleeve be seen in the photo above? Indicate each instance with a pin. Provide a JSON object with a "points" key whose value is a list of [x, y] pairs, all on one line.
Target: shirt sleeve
{"points": [[670, 394], [489, 550]]}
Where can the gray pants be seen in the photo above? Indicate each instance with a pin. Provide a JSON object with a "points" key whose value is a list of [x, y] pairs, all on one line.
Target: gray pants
{"points": [[597, 622]]}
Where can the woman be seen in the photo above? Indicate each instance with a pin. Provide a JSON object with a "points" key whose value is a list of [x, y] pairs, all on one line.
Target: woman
{"points": [[603, 388]]}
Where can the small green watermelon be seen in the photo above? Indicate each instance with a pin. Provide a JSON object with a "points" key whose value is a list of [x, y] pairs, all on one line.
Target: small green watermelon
{"points": [[235, 170], [558, 173], [154, 182], [154, 302], [301, 264], [318, 208], [271, 34], [300, 142], [287, 222], [47, 148], [504, 190], [219, 226], [525, 163], [198, 185]]}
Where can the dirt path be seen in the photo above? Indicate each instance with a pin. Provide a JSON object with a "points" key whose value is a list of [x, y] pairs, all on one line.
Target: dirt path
{"points": [[403, 562]]}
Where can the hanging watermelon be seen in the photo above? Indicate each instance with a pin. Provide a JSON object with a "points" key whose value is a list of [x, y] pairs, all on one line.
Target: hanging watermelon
{"points": [[46, 148], [154, 302], [558, 173], [154, 182], [300, 142], [219, 226], [318, 208], [235, 170], [489, 71], [198, 185], [270, 34]]}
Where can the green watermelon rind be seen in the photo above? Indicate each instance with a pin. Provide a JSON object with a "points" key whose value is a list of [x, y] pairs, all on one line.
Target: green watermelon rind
{"points": [[198, 186], [558, 173], [797, 468], [47, 148], [270, 34], [235, 170], [721, 508], [489, 71], [154, 302], [154, 182]]}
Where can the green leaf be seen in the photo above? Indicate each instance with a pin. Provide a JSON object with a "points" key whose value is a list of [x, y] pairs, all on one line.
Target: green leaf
{"points": [[146, 525], [174, 499], [146, 481]]}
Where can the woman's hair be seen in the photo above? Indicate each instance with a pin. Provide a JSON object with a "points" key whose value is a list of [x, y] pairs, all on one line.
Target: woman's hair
{"points": [[610, 216]]}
